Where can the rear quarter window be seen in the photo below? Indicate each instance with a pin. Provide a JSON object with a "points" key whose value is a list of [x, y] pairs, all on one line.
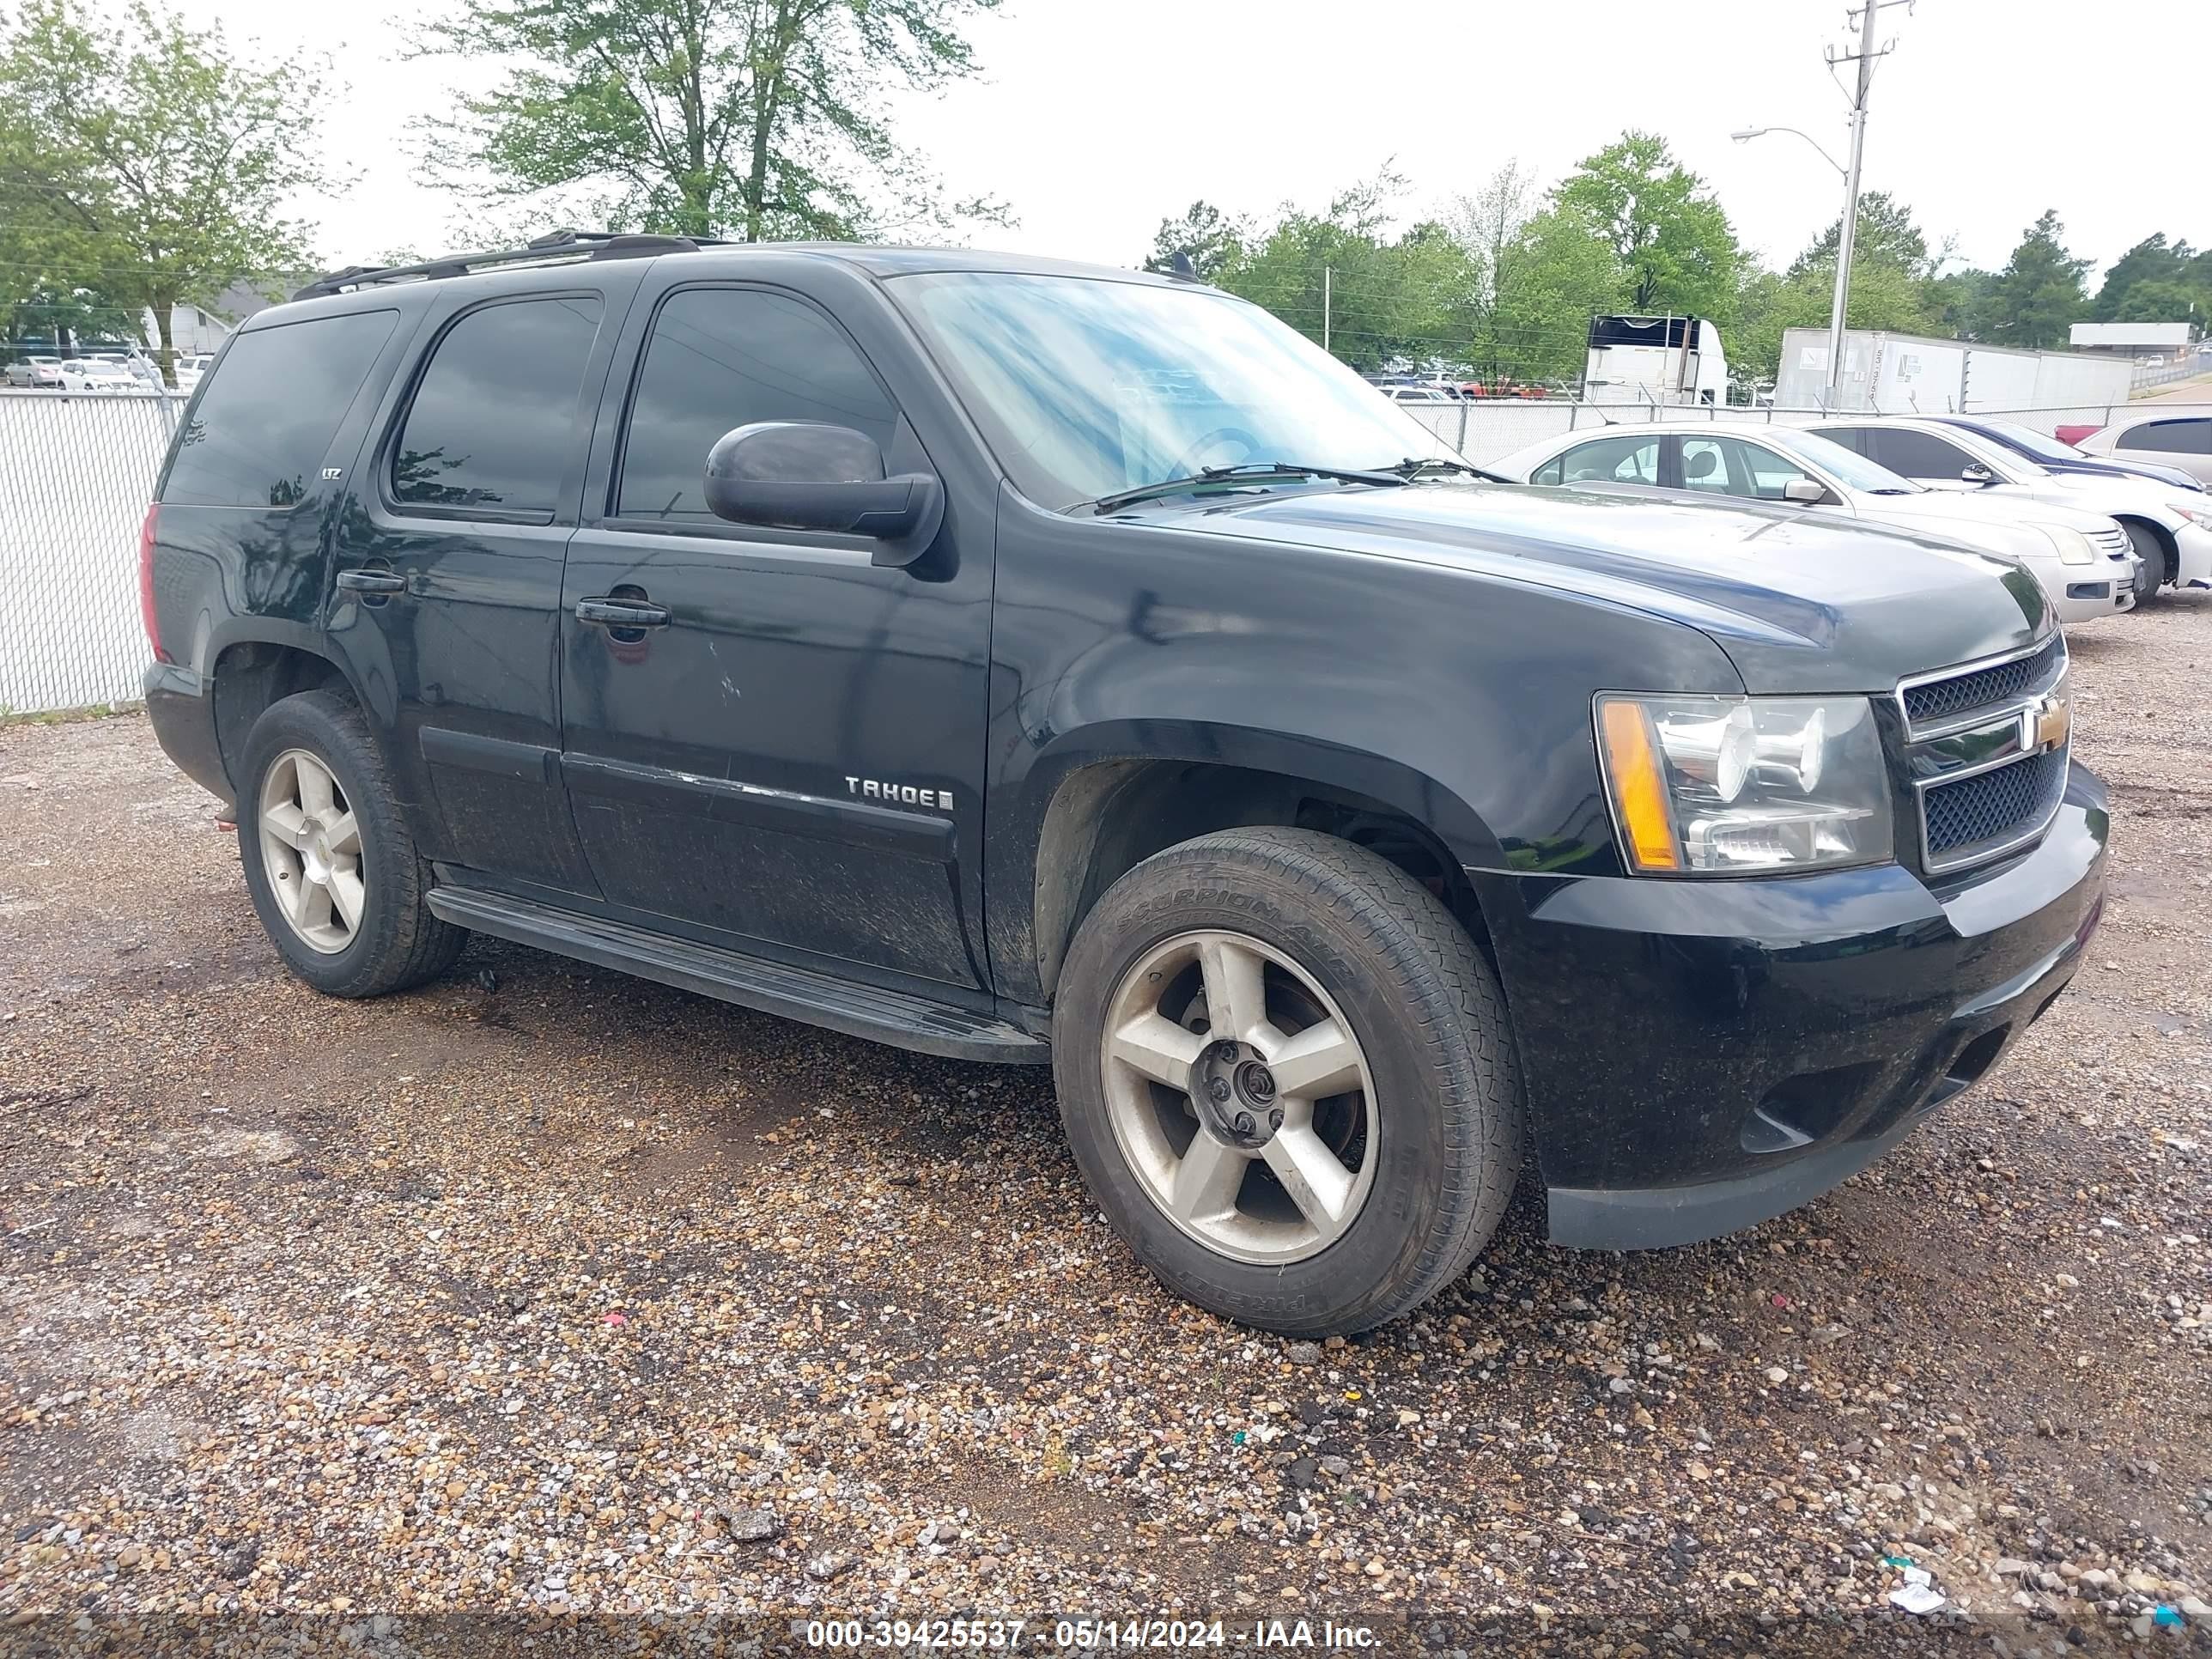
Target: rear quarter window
{"points": [[2190, 437], [265, 417]]}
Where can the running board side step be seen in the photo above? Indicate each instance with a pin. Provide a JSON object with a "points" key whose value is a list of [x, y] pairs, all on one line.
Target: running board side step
{"points": [[771, 987]]}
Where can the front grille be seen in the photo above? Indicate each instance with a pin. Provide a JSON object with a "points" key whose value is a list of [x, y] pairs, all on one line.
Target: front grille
{"points": [[1940, 700], [2112, 542], [1992, 807]]}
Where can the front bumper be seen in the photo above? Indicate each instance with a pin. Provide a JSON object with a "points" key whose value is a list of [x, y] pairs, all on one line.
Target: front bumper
{"points": [[2084, 593], [2192, 548], [1700, 1056]]}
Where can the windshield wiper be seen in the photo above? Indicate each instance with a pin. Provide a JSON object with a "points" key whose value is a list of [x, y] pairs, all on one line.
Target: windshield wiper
{"points": [[1251, 471], [1410, 468]]}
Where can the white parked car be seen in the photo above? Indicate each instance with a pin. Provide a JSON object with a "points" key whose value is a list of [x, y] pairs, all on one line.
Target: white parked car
{"points": [[2081, 560], [189, 368], [2182, 440], [43, 373], [98, 375], [2170, 528]]}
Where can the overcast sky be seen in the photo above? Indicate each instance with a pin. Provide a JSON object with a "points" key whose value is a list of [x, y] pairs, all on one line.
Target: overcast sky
{"points": [[1095, 118]]}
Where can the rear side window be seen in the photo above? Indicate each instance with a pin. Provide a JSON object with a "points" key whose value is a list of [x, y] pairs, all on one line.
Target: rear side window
{"points": [[258, 433], [2170, 438], [494, 421], [725, 357], [1614, 460], [1917, 454]]}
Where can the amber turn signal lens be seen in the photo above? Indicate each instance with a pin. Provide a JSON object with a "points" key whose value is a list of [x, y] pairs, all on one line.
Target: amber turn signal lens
{"points": [[1639, 791]]}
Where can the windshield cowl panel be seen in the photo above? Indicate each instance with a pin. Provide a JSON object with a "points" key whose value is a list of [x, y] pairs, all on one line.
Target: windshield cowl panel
{"points": [[1086, 387]]}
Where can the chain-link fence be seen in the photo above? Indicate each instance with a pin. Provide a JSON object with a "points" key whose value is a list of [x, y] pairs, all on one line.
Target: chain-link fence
{"points": [[75, 475]]}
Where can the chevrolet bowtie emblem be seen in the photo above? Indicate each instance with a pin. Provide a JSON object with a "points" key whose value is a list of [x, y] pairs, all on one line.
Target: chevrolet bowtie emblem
{"points": [[2045, 725]]}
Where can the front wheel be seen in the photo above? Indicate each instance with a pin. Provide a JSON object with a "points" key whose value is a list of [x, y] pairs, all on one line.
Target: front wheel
{"points": [[1286, 1075], [2150, 569]]}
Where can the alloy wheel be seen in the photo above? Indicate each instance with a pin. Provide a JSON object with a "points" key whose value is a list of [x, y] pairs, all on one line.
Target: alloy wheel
{"points": [[1240, 1097], [311, 848]]}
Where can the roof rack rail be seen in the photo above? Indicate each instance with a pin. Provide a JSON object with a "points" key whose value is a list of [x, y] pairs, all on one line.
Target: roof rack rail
{"points": [[554, 246]]}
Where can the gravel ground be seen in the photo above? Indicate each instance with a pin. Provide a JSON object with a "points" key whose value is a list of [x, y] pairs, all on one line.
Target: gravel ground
{"points": [[541, 1290]]}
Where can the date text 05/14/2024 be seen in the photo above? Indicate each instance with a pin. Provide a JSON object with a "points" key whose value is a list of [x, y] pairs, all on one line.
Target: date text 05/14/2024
{"points": [[1086, 1634]]}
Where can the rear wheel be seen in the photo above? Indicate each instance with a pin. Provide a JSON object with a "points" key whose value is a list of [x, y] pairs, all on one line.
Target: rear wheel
{"points": [[1285, 1073], [2150, 572], [329, 864]]}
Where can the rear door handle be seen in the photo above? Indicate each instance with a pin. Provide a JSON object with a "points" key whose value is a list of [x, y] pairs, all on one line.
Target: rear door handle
{"points": [[622, 613], [371, 581]]}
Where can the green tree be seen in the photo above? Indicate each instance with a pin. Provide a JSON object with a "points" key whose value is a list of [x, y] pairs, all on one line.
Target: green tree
{"points": [[149, 161], [1549, 278], [1887, 235], [1212, 241], [1381, 296], [2152, 261], [2038, 296], [755, 119], [40, 310], [1670, 240]]}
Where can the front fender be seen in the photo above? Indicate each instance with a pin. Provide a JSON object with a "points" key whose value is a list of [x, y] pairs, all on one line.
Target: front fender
{"points": [[1459, 699]]}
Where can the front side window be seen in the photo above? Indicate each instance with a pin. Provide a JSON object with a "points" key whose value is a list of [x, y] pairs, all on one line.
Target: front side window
{"points": [[1086, 386], [724, 357], [259, 431], [494, 420]]}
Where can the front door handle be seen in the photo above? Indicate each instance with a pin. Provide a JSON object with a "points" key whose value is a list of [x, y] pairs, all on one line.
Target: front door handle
{"points": [[622, 613], [371, 581]]}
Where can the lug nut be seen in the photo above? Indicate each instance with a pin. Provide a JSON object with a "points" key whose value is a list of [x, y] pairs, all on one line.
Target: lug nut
{"points": [[1218, 1088], [1244, 1124], [1275, 1119]]}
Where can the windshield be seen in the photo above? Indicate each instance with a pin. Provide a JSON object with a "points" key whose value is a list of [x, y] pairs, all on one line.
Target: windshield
{"points": [[1850, 468], [1086, 387], [2027, 438]]}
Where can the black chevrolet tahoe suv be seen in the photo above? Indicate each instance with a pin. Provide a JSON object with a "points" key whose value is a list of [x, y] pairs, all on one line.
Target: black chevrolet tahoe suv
{"points": [[1021, 661]]}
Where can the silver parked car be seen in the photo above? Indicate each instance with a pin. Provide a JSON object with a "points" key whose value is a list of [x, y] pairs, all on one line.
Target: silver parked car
{"points": [[2173, 440], [2081, 560]]}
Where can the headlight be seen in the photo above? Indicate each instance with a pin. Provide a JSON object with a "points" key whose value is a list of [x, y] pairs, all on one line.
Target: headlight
{"points": [[2199, 516], [1733, 786], [2074, 547]]}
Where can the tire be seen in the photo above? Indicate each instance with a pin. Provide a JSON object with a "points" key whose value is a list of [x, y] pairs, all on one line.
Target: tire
{"points": [[393, 941], [2151, 575], [1426, 1128]]}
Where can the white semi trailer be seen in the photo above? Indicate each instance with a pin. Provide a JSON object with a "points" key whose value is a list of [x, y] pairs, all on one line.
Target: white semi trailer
{"points": [[1655, 360]]}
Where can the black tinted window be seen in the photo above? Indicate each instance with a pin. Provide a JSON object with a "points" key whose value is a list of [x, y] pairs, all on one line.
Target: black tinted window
{"points": [[257, 435], [726, 357], [1853, 438], [2170, 438], [494, 419], [1918, 455]]}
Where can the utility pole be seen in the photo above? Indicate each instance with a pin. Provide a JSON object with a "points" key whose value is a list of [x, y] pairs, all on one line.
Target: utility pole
{"points": [[1847, 230], [1327, 282]]}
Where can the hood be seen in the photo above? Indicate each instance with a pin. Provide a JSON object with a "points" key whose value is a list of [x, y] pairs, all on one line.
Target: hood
{"points": [[2001, 507], [1800, 603]]}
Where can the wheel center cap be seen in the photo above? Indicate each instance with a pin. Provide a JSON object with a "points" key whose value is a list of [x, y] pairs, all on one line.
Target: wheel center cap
{"points": [[1235, 1094], [315, 850]]}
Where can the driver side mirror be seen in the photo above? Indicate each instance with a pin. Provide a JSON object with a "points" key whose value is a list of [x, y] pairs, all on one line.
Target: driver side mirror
{"points": [[808, 475], [1976, 473], [1805, 492]]}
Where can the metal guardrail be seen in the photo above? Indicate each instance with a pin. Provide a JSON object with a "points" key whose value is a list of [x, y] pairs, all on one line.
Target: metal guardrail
{"points": [[76, 472]]}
